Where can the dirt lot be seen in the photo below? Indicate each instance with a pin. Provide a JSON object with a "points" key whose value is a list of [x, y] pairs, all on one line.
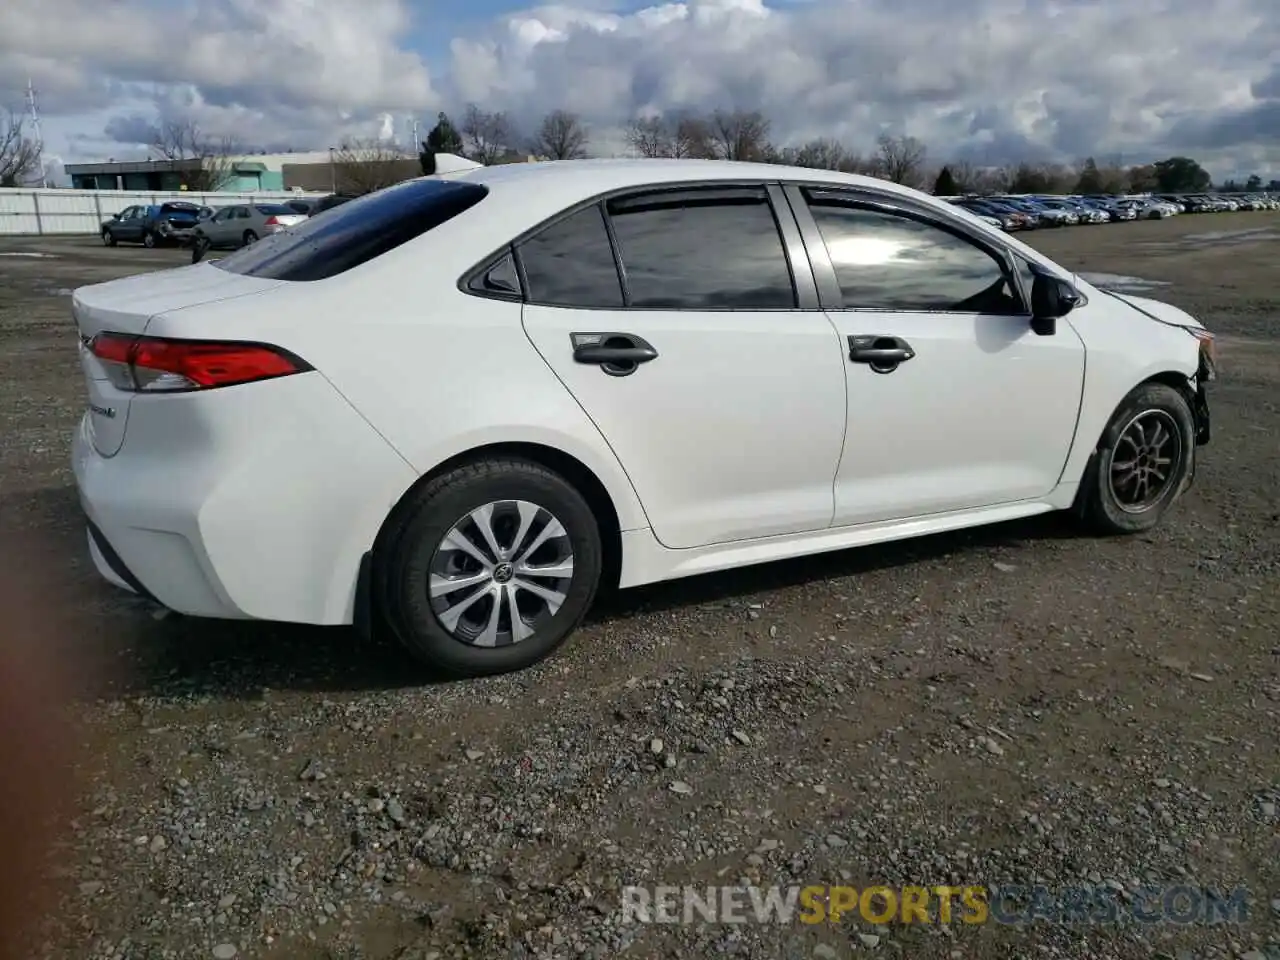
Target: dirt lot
{"points": [[1014, 705]]}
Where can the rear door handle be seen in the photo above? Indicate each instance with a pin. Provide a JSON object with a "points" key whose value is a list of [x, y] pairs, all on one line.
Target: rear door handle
{"points": [[617, 354], [882, 353]]}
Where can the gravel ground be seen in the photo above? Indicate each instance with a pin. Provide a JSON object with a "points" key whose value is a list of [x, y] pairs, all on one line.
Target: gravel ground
{"points": [[1012, 705]]}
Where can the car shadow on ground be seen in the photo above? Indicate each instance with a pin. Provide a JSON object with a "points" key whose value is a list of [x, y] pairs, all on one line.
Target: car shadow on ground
{"points": [[123, 646]]}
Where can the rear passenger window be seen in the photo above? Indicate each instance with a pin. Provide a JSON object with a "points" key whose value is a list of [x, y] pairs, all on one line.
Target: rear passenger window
{"points": [[499, 280], [570, 263], [702, 250]]}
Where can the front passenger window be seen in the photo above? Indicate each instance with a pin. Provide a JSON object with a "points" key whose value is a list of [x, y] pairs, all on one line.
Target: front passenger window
{"points": [[891, 262]]}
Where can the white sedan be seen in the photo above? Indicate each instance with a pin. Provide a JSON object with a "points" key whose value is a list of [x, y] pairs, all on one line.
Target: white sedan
{"points": [[452, 408]]}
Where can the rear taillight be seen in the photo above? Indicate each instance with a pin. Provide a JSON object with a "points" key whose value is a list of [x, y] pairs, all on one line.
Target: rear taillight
{"points": [[158, 365], [272, 222]]}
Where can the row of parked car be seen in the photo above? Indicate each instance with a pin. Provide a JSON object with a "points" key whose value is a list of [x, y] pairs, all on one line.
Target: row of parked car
{"points": [[204, 228], [1023, 212]]}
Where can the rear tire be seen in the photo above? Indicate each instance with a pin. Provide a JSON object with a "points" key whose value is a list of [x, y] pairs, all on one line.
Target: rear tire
{"points": [[250, 237], [512, 607], [148, 239], [1142, 464]]}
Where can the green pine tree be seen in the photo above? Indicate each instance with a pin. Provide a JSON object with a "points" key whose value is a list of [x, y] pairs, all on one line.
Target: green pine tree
{"points": [[443, 138]]}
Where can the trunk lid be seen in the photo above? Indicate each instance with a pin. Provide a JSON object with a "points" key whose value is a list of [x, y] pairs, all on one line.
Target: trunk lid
{"points": [[127, 305]]}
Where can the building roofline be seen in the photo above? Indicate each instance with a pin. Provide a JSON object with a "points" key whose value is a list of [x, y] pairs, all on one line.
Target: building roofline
{"points": [[131, 166]]}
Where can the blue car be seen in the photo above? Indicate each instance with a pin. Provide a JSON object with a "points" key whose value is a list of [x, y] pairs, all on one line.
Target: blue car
{"points": [[152, 225]]}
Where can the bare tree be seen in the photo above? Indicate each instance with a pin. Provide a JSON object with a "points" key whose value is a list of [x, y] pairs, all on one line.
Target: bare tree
{"points": [[203, 163], [970, 178], [692, 137], [824, 154], [561, 136], [488, 136], [1142, 178], [363, 166], [965, 175], [901, 160], [650, 137], [1113, 177], [19, 154], [740, 135], [1027, 177]]}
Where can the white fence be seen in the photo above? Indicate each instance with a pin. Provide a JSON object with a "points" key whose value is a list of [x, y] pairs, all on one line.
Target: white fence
{"points": [[51, 212]]}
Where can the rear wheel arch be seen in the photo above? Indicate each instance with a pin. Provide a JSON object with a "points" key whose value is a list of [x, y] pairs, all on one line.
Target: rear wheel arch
{"points": [[573, 470]]}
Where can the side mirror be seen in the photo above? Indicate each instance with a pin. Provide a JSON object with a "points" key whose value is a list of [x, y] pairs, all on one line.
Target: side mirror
{"points": [[1051, 298]]}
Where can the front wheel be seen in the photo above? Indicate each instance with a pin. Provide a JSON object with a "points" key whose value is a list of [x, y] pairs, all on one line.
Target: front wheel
{"points": [[1143, 462], [491, 569], [199, 247], [148, 239], [108, 238]]}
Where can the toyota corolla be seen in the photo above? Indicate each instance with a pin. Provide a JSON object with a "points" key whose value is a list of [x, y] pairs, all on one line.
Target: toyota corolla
{"points": [[451, 409]]}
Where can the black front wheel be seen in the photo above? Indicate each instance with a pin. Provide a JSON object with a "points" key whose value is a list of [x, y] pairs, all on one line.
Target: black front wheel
{"points": [[1142, 463], [199, 247]]}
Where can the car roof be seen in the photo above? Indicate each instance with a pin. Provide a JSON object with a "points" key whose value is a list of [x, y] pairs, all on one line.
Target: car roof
{"points": [[527, 194], [591, 177]]}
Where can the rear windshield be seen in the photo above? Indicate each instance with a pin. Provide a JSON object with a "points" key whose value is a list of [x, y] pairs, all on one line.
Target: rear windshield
{"points": [[273, 209], [353, 233], [190, 208]]}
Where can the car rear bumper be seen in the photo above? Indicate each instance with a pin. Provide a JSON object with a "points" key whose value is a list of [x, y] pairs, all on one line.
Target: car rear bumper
{"points": [[140, 538], [236, 508], [175, 234]]}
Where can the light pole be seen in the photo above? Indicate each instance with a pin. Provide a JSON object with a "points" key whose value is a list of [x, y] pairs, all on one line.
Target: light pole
{"points": [[333, 173]]}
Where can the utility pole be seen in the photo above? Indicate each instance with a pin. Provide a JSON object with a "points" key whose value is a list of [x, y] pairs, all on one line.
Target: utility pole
{"points": [[35, 126], [417, 144]]}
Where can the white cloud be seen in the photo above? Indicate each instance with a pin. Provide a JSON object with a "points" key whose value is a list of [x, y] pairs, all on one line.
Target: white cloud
{"points": [[994, 79]]}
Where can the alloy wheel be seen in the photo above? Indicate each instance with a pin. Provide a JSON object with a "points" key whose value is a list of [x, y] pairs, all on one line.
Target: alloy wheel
{"points": [[1145, 460], [500, 573]]}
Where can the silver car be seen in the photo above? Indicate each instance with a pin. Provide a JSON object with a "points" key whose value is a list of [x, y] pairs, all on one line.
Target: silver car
{"points": [[238, 226]]}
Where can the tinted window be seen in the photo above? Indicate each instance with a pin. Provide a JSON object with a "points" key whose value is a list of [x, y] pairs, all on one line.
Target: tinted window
{"points": [[499, 280], [273, 209], [356, 232], [702, 250], [570, 263], [329, 202], [884, 261]]}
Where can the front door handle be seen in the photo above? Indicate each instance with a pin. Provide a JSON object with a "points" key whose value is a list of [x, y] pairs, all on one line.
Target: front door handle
{"points": [[617, 354], [882, 353]]}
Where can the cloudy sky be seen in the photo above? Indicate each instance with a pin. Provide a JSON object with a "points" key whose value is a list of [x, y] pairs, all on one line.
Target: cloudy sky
{"points": [[990, 80]]}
